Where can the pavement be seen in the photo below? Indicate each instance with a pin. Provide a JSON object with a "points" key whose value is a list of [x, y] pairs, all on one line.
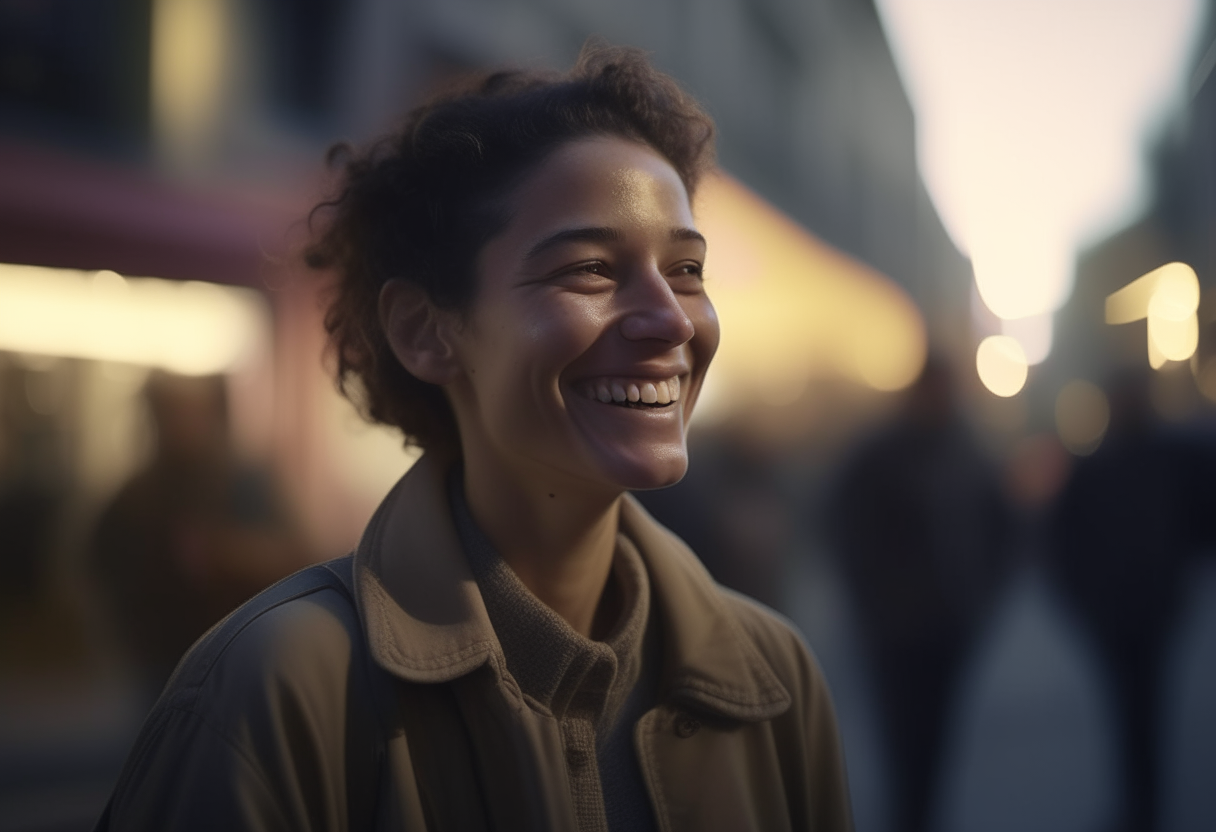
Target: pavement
{"points": [[1031, 745]]}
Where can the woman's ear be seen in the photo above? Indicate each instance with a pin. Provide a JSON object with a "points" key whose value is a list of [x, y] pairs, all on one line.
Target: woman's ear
{"points": [[419, 333]]}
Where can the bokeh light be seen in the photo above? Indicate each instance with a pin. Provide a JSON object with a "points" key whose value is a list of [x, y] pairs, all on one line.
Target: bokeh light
{"points": [[1205, 377], [1169, 298], [187, 327], [1001, 364], [1034, 333], [188, 64], [1082, 416]]}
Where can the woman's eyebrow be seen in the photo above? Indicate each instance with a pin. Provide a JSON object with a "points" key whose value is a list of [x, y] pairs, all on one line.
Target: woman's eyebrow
{"points": [[576, 235], [679, 234], [601, 234]]}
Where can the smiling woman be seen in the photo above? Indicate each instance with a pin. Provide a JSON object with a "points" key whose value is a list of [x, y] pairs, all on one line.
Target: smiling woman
{"points": [[515, 644]]}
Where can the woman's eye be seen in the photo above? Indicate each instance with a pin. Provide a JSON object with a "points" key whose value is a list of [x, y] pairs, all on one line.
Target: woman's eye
{"points": [[688, 277], [587, 276]]}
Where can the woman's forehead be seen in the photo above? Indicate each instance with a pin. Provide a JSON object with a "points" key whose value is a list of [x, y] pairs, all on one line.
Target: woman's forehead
{"points": [[603, 181]]}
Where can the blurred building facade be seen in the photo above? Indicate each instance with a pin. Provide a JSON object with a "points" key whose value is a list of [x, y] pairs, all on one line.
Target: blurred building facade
{"points": [[1179, 224], [810, 108], [183, 139]]}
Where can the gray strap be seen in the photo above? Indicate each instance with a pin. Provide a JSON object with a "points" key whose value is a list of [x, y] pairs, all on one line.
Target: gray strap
{"points": [[366, 774], [344, 570]]}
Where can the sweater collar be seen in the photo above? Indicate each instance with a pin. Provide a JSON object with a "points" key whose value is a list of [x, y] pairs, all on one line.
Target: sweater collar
{"points": [[562, 670], [427, 622]]}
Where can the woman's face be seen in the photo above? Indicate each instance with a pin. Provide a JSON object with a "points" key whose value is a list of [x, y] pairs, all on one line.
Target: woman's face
{"points": [[590, 331]]}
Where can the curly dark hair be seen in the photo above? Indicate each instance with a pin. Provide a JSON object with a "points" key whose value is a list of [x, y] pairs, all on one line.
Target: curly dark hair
{"points": [[420, 204]]}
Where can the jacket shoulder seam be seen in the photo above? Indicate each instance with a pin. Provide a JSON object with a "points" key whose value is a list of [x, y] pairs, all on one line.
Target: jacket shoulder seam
{"points": [[216, 642]]}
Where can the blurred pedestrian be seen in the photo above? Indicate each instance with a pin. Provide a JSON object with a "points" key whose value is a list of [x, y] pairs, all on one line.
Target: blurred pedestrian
{"points": [[193, 534], [1122, 533], [924, 535], [34, 488]]}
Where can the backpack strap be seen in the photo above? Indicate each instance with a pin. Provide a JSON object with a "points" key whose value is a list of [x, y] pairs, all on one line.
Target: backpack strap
{"points": [[366, 773], [344, 570]]}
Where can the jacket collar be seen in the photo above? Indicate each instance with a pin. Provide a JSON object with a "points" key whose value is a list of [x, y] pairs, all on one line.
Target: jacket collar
{"points": [[426, 621]]}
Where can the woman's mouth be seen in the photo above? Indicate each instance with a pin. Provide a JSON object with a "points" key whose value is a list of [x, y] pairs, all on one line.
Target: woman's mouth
{"points": [[632, 392]]}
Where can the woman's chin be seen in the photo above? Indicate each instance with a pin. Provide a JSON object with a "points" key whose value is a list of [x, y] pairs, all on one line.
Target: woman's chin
{"points": [[659, 468]]}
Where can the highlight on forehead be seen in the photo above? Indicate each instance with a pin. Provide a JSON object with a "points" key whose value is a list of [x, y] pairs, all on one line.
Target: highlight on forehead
{"points": [[635, 184]]}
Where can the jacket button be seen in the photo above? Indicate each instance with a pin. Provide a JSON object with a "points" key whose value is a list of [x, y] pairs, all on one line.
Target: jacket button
{"points": [[576, 757], [686, 726]]}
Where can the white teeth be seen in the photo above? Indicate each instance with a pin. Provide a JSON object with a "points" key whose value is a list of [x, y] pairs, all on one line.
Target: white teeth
{"points": [[647, 392]]}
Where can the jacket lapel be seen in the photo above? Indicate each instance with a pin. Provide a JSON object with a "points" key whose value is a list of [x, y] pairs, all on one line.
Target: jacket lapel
{"points": [[426, 624], [424, 615], [709, 661], [426, 621]]}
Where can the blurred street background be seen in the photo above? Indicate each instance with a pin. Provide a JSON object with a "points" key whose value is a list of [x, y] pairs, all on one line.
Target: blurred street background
{"points": [[961, 428]]}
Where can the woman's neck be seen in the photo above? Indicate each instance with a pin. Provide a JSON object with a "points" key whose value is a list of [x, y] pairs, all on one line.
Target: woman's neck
{"points": [[558, 539]]}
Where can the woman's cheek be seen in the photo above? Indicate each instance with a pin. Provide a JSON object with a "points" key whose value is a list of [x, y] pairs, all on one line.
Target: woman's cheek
{"points": [[707, 331]]}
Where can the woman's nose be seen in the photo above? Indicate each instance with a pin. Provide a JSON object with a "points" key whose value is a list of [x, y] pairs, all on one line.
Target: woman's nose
{"points": [[655, 311]]}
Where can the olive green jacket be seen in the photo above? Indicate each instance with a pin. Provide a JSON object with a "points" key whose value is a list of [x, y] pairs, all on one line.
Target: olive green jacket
{"points": [[305, 711]]}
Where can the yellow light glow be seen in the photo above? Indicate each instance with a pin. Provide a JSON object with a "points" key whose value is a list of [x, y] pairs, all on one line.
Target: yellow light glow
{"points": [[190, 328], [1131, 302], [188, 59], [1169, 298], [1156, 358], [1020, 275], [1177, 294], [1172, 339], [1034, 333], [1177, 285], [793, 308], [1082, 416], [1031, 119], [1001, 364]]}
